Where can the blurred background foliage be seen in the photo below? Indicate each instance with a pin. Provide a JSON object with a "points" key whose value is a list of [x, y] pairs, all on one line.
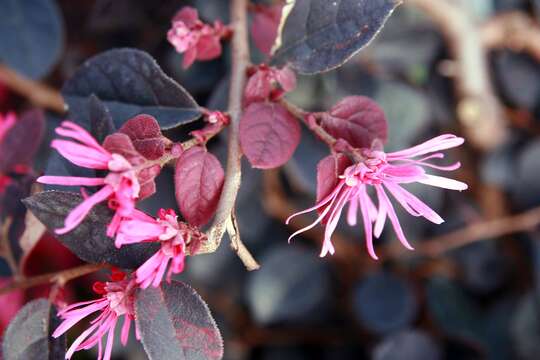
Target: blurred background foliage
{"points": [[459, 296]]}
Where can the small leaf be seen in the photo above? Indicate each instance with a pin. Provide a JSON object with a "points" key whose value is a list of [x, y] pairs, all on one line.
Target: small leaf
{"points": [[269, 134], [328, 170], [175, 323], [145, 134], [29, 335], [320, 35], [130, 82], [89, 240], [31, 36], [358, 120], [101, 123], [198, 180], [20, 144], [265, 25]]}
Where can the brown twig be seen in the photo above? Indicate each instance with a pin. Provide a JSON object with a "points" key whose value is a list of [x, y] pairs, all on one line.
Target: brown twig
{"points": [[484, 230], [39, 94], [233, 175], [238, 246], [60, 278], [479, 110], [513, 30]]}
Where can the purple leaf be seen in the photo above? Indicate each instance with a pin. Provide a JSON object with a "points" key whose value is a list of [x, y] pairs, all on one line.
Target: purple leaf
{"points": [[198, 180], [328, 170], [269, 135], [175, 323], [358, 120], [144, 132]]}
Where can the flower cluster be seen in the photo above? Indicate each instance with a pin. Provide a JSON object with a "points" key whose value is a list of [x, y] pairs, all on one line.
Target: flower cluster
{"points": [[174, 237], [195, 39], [384, 172], [117, 300], [120, 187]]}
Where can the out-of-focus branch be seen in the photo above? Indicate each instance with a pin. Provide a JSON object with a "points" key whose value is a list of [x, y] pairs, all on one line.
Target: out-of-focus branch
{"points": [[233, 174], [39, 94], [60, 278], [484, 230], [479, 110], [513, 30]]}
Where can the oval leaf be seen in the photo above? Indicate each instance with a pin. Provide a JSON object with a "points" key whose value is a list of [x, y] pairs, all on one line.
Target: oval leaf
{"points": [[89, 240], [130, 83], [320, 35], [145, 134], [175, 323], [269, 134], [31, 36], [101, 123], [358, 120], [29, 335], [265, 25], [22, 140], [198, 181]]}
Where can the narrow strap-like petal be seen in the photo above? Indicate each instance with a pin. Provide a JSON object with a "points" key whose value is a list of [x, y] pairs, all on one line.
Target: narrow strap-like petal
{"points": [[443, 182], [418, 205], [381, 217], [442, 142], [125, 330], [333, 222], [393, 217], [70, 181], [368, 230], [81, 155], [110, 341], [328, 199]]}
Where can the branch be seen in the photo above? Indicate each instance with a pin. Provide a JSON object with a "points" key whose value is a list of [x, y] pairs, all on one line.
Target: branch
{"points": [[233, 175], [479, 110], [60, 278], [39, 94], [513, 30], [439, 245], [243, 253]]}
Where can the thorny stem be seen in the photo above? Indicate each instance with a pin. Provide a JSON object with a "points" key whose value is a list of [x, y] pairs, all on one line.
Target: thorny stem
{"points": [[233, 175], [60, 278]]}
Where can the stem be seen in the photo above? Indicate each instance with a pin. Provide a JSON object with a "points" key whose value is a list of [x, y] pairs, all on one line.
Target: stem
{"points": [[233, 175], [39, 94], [60, 277]]}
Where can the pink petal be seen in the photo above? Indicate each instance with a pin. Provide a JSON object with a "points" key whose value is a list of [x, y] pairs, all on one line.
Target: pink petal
{"points": [[328, 199], [82, 155], [333, 222], [352, 213], [125, 330], [443, 182], [70, 181], [77, 215], [438, 143], [417, 204], [110, 340], [403, 173], [74, 131], [364, 199], [79, 340], [393, 217], [381, 218]]}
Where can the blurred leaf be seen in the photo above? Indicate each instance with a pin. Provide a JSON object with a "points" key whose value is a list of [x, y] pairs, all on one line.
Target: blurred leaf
{"points": [[319, 35], [89, 240], [130, 82], [31, 36], [175, 323], [101, 123], [21, 142], [408, 345], [29, 335]]}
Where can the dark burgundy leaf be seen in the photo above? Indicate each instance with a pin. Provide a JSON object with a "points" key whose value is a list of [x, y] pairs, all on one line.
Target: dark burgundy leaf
{"points": [[358, 120], [265, 25], [198, 181], [328, 171], [101, 123], [145, 134], [269, 134], [89, 240], [175, 323], [320, 35], [29, 334], [31, 36], [22, 140], [130, 83]]}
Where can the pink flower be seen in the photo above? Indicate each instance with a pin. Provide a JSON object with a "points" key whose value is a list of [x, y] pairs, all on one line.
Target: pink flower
{"points": [[174, 236], [6, 122], [197, 40], [384, 172], [268, 82], [121, 186], [117, 300]]}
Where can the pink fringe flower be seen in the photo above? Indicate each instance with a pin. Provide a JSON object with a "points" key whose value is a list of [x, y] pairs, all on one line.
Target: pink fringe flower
{"points": [[195, 39], [117, 300], [120, 186], [384, 172], [174, 236]]}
